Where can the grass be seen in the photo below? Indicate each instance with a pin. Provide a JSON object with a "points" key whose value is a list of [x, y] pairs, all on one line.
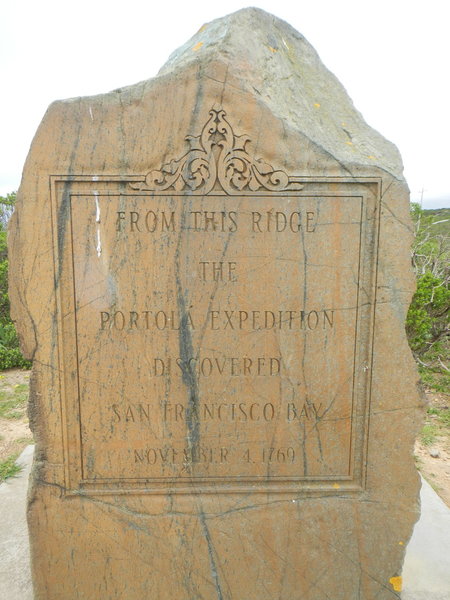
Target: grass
{"points": [[436, 380], [429, 434], [13, 401], [442, 414], [25, 440], [432, 367], [437, 425], [9, 467]]}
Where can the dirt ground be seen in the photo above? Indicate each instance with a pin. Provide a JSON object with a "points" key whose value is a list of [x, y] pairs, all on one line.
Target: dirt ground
{"points": [[433, 460], [15, 435], [14, 432]]}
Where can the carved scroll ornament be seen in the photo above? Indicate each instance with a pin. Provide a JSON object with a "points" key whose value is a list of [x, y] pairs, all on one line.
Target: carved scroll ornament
{"points": [[217, 155]]}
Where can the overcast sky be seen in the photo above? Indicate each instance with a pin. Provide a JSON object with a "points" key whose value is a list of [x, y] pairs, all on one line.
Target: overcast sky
{"points": [[392, 56]]}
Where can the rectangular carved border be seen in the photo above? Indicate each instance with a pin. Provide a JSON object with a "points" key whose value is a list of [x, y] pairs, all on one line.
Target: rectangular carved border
{"points": [[62, 189]]}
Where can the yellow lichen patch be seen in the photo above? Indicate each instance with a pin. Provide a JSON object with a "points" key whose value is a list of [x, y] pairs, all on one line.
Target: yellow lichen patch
{"points": [[371, 156], [197, 46], [401, 544], [336, 486], [349, 143], [396, 583], [317, 105], [272, 49]]}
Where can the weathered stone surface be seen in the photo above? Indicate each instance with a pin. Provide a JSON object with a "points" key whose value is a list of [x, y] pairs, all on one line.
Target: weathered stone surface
{"points": [[210, 270]]}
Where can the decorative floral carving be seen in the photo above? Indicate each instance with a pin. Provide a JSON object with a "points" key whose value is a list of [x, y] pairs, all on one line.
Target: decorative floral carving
{"points": [[217, 154]]}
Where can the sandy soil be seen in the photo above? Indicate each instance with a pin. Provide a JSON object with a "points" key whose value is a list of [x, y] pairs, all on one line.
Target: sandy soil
{"points": [[433, 460], [14, 433]]}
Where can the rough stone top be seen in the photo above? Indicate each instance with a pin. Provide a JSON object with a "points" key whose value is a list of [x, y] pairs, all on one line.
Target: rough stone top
{"points": [[259, 54], [270, 57]]}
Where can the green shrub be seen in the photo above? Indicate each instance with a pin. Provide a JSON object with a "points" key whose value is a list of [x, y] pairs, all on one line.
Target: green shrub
{"points": [[12, 358], [10, 355], [428, 320], [428, 316]]}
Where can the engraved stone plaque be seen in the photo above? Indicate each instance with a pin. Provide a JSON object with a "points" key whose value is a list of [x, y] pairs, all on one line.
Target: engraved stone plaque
{"points": [[211, 273], [230, 330]]}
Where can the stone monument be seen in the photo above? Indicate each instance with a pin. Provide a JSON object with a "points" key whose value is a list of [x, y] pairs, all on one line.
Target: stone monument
{"points": [[210, 271]]}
